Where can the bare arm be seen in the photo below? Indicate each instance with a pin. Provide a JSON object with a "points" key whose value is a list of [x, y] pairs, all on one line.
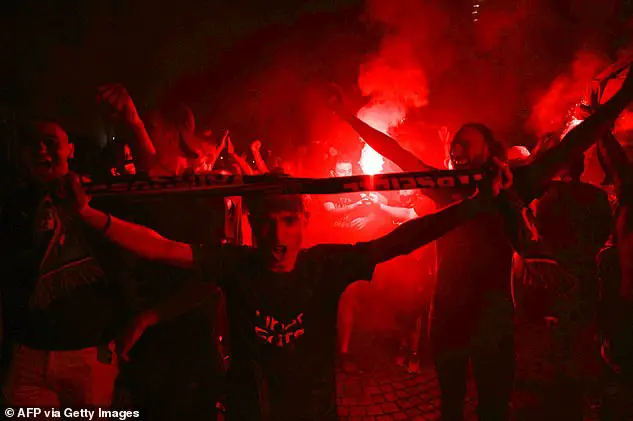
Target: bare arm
{"points": [[386, 145], [580, 138], [140, 240], [416, 233], [259, 161], [119, 100], [142, 147], [217, 152], [241, 162], [400, 214]]}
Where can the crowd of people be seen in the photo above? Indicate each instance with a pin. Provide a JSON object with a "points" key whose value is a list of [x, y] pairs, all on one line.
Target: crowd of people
{"points": [[181, 308]]}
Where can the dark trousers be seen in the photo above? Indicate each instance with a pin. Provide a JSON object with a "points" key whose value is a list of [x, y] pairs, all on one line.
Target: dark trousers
{"points": [[488, 344]]}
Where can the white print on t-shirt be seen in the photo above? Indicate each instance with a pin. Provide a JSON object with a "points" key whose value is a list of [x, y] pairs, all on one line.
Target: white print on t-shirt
{"points": [[278, 333]]}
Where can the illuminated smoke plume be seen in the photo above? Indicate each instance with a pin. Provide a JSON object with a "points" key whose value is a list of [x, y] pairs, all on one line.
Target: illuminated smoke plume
{"points": [[553, 112], [382, 116], [371, 162], [394, 77]]}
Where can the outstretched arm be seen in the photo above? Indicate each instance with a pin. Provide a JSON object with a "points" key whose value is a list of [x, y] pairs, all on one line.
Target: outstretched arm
{"points": [[398, 213], [386, 145], [137, 239], [416, 233], [380, 142], [580, 138]]}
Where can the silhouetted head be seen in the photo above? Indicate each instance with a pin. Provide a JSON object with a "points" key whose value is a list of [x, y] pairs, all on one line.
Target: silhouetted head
{"points": [[44, 150], [473, 145], [278, 223]]}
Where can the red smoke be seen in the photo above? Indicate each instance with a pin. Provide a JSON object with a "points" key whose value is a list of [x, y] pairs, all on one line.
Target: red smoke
{"points": [[552, 112]]}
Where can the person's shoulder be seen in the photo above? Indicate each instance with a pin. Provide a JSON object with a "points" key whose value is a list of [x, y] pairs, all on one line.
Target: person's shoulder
{"points": [[327, 251], [223, 250]]}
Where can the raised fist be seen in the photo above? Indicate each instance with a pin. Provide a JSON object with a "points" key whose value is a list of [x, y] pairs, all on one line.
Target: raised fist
{"points": [[119, 100], [69, 195]]}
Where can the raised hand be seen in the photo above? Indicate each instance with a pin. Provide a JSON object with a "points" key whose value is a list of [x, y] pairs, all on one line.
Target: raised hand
{"points": [[256, 146], [119, 100], [69, 195], [500, 177], [229, 145], [359, 223], [225, 137]]}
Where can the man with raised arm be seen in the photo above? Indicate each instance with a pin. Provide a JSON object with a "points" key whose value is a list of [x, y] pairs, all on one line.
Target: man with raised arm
{"points": [[282, 299], [472, 309]]}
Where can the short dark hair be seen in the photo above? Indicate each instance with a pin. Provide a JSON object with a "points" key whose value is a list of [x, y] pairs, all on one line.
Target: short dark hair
{"points": [[261, 204]]}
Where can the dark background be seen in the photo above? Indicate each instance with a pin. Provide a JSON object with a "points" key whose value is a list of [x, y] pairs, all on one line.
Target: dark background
{"points": [[250, 65]]}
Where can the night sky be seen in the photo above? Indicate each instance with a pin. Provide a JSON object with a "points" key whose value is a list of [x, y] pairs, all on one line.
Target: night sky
{"points": [[146, 45], [245, 64]]}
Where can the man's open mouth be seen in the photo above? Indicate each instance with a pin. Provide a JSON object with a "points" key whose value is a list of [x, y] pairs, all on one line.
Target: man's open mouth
{"points": [[460, 161], [279, 249], [43, 164]]}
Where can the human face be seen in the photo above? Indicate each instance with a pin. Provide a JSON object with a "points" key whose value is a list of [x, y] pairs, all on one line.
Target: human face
{"points": [[45, 154], [279, 236], [343, 169], [468, 149]]}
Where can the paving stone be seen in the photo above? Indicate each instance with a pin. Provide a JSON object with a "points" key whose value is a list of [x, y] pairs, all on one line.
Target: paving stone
{"points": [[374, 410], [371, 390], [357, 411], [386, 388], [412, 412], [402, 394], [391, 397], [343, 411], [389, 407], [378, 398], [388, 393]]}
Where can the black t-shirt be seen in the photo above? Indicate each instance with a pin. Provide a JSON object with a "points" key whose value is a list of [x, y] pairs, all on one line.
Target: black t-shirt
{"points": [[474, 260], [283, 327], [57, 292]]}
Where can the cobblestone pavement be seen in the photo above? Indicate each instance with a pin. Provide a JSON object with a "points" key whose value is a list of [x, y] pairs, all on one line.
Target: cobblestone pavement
{"points": [[383, 391], [388, 393]]}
